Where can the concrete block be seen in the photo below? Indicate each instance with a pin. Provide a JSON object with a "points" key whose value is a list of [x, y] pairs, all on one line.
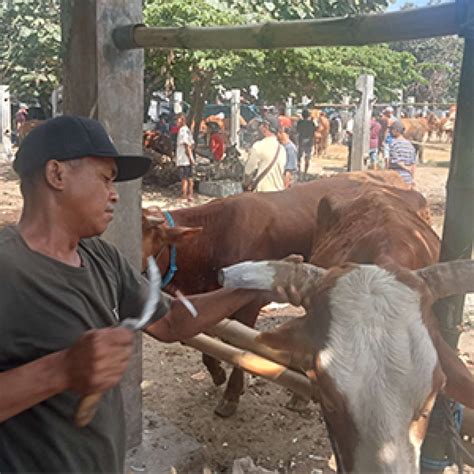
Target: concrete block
{"points": [[220, 188]]}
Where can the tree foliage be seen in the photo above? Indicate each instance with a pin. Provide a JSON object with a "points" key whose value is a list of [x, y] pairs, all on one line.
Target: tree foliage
{"points": [[305, 9], [321, 73], [30, 41]]}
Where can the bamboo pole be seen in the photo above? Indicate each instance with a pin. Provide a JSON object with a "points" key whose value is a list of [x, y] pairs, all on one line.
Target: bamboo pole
{"points": [[243, 337], [252, 363], [439, 20]]}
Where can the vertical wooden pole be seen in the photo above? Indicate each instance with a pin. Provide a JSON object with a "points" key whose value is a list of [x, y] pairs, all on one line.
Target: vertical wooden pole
{"points": [[360, 140], [235, 117], [5, 123], [458, 231], [105, 83]]}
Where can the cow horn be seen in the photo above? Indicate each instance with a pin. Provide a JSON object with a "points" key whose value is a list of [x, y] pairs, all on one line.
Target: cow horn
{"points": [[156, 220], [449, 278], [272, 275]]}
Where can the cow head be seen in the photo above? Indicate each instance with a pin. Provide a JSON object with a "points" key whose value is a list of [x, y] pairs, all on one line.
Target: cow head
{"points": [[374, 350], [157, 235]]}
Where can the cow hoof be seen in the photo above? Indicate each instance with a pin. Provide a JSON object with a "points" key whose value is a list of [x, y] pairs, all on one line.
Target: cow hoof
{"points": [[226, 408], [219, 378], [298, 404]]}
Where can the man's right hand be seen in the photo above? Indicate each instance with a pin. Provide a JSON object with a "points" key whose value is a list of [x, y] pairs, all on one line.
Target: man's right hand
{"points": [[98, 359]]}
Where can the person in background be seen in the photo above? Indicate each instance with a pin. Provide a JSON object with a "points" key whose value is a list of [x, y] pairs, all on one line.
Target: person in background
{"points": [[305, 129], [291, 166], [388, 118], [285, 121], [265, 166], [162, 126], [184, 157], [374, 142], [216, 141], [348, 140], [402, 155], [20, 118]]}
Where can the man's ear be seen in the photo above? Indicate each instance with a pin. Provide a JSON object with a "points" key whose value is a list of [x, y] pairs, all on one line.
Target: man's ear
{"points": [[54, 174]]}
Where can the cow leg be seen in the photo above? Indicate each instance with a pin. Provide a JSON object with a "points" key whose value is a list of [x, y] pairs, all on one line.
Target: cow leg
{"points": [[227, 406], [214, 368]]}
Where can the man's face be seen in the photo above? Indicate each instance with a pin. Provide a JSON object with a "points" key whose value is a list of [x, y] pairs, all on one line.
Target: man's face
{"points": [[90, 194]]}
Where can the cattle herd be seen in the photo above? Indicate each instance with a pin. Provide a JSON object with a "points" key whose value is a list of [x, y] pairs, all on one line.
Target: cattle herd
{"points": [[369, 340]]}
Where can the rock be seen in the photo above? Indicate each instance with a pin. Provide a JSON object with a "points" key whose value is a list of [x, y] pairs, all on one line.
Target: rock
{"points": [[221, 188]]}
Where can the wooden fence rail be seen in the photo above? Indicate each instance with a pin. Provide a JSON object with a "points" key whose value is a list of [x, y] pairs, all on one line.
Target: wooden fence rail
{"points": [[440, 20]]}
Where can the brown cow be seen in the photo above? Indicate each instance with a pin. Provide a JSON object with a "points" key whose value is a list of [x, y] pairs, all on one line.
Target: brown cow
{"points": [[158, 142], [249, 226], [370, 342], [416, 130], [321, 135], [26, 128]]}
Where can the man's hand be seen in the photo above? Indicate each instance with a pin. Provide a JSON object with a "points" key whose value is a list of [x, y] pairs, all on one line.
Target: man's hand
{"points": [[97, 361]]}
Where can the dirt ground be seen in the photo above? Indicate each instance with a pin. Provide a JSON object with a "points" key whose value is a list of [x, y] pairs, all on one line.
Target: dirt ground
{"points": [[176, 385]]}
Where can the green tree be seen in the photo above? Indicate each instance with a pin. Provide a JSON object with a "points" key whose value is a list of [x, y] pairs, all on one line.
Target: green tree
{"points": [[30, 41], [438, 61], [305, 9]]}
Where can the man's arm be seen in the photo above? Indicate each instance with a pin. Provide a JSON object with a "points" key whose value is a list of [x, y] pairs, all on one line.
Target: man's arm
{"points": [[95, 363], [212, 307], [250, 166], [189, 153]]}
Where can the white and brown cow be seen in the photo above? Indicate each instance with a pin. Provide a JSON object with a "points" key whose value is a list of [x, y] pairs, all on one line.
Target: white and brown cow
{"points": [[370, 340]]}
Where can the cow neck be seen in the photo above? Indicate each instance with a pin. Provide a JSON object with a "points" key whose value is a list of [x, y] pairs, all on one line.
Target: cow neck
{"points": [[172, 268]]}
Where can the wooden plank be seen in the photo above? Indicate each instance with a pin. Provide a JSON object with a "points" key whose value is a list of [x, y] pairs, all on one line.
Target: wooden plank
{"points": [[440, 20]]}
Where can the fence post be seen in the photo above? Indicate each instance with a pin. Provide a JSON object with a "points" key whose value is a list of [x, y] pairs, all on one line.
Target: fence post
{"points": [[177, 102], [289, 107], [57, 101], [458, 230], [410, 107], [5, 122], [235, 118], [360, 140]]}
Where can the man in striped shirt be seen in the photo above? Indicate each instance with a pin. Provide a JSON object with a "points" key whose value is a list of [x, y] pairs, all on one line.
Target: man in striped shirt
{"points": [[401, 154]]}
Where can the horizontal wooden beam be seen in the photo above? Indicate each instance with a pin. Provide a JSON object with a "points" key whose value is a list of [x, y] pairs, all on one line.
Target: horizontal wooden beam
{"points": [[253, 363], [439, 20]]}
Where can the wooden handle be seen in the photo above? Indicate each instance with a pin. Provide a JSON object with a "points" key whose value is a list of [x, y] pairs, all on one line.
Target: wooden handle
{"points": [[86, 409]]}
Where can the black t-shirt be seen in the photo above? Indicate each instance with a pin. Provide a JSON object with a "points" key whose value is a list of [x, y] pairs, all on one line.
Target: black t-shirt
{"points": [[305, 129], [45, 306]]}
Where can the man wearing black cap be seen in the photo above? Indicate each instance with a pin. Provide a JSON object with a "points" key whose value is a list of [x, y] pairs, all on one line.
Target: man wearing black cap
{"points": [[62, 289], [265, 167]]}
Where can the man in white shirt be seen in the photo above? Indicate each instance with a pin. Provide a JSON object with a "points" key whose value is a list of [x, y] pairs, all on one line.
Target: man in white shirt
{"points": [[184, 157], [265, 168]]}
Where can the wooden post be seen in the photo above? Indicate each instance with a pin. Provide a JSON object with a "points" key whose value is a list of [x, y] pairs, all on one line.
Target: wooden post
{"points": [[360, 140], [177, 103], [57, 101], [107, 84], [289, 106], [5, 123], [458, 231], [235, 118], [411, 106]]}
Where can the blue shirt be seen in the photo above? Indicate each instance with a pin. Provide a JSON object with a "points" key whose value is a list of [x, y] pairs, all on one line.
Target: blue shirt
{"points": [[402, 151], [291, 156]]}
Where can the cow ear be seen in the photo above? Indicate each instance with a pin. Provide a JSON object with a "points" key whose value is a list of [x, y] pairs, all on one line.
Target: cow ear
{"points": [[326, 216], [459, 381], [287, 337], [181, 235]]}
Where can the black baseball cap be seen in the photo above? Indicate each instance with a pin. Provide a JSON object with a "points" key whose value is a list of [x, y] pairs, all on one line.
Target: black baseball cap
{"points": [[272, 123], [70, 137]]}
